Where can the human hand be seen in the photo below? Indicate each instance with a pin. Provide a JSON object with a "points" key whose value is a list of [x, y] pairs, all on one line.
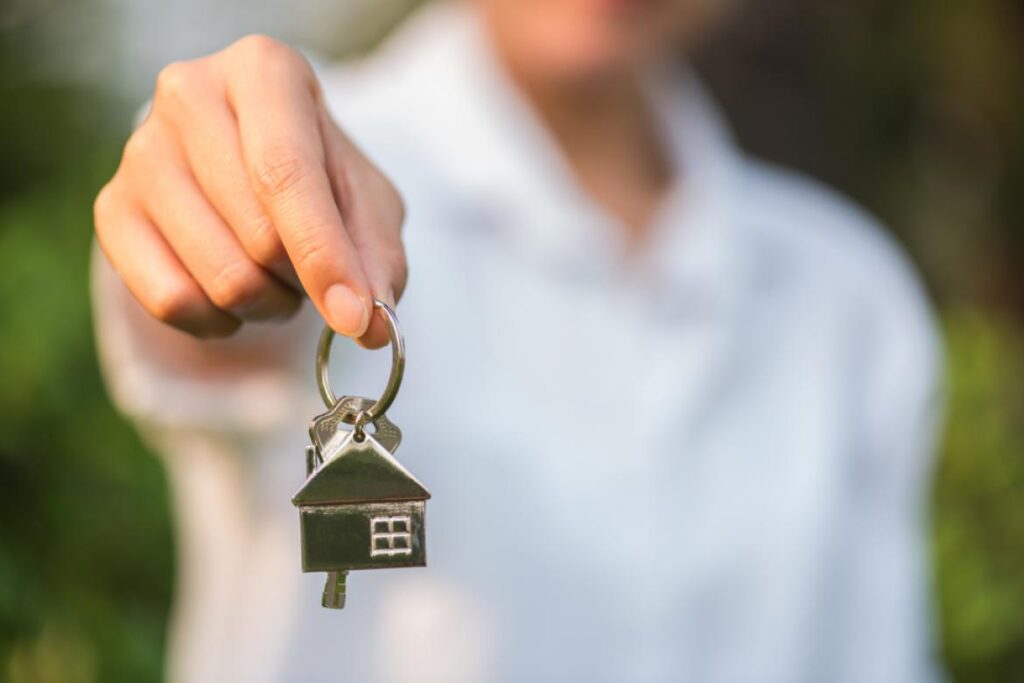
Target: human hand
{"points": [[238, 193]]}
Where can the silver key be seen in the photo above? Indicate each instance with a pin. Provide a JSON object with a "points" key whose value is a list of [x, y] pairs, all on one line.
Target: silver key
{"points": [[325, 433]]}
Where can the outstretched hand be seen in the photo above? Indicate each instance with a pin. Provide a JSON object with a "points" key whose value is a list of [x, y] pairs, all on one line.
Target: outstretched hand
{"points": [[239, 193]]}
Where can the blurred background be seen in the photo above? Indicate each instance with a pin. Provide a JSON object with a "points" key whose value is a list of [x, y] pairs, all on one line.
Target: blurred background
{"points": [[914, 108]]}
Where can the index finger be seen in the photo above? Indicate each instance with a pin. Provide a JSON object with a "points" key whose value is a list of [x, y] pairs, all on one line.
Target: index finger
{"points": [[275, 100]]}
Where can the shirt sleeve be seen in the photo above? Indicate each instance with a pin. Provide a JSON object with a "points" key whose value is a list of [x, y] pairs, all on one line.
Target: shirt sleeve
{"points": [[252, 384], [885, 619]]}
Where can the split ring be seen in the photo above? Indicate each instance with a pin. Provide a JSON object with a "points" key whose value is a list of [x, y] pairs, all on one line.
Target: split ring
{"points": [[323, 357]]}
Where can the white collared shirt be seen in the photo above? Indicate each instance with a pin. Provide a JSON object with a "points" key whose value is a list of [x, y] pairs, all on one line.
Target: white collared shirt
{"points": [[705, 463]]}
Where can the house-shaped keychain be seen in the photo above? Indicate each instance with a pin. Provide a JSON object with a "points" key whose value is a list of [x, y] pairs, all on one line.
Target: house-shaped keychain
{"points": [[361, 509]]}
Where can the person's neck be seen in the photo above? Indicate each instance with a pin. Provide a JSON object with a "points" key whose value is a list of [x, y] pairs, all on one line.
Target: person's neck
{"points": [[608, 135]]}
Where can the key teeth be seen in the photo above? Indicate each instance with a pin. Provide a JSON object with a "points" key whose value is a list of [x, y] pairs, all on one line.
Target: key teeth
{"points": [[334, 590]]}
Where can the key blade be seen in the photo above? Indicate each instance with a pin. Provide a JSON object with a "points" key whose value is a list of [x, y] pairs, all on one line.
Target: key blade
{"points": [[334, 590]]}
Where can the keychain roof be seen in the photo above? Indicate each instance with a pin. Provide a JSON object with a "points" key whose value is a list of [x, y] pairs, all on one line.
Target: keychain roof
{"points": [[362, 471]]}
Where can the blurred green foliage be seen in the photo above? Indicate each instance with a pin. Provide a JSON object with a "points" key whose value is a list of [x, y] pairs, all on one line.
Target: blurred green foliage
{"points": [[915, 108], [978, 515], [85, 540]]}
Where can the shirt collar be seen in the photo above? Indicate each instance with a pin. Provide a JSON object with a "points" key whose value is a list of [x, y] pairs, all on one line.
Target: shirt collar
{"points": [[499, 164]]}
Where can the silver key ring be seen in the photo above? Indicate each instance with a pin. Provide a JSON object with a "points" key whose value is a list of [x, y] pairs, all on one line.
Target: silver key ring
{"points": [[323, 357]]}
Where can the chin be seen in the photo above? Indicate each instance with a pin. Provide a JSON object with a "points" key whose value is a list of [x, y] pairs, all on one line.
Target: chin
{"points": [[583, 39], [591, 55]]}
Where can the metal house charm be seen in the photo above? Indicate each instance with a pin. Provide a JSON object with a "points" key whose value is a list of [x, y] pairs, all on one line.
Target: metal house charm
{"points": [[359, 507]]}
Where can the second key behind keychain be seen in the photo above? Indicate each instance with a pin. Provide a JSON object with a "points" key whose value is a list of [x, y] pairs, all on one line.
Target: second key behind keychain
{"points": [[359, 507]]}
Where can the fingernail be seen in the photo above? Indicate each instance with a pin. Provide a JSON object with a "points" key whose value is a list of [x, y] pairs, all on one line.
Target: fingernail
{"points": [[347, 313]]}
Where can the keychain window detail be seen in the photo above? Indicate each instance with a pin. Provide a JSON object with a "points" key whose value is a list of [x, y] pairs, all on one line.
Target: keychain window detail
{"points": [[390, 536]]}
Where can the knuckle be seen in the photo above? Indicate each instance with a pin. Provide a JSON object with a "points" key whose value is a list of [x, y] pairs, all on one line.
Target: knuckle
{"points": [[235, 286], [141, 144], [278, 172], [392, 256], [263, 243], [105, 213], [103, 206], [392, 205], [271, 58], [174, 82], [399, 267], [172, 302], [395, 202], [262, 49], [308, 251], [388, 188], [399, 208], [257, 44]]}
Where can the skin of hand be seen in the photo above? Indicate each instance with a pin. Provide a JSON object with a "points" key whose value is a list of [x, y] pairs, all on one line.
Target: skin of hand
{"points": [[239, 193]]}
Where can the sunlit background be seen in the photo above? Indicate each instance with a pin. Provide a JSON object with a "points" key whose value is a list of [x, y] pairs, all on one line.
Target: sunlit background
{"points": [[914, 108]]}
